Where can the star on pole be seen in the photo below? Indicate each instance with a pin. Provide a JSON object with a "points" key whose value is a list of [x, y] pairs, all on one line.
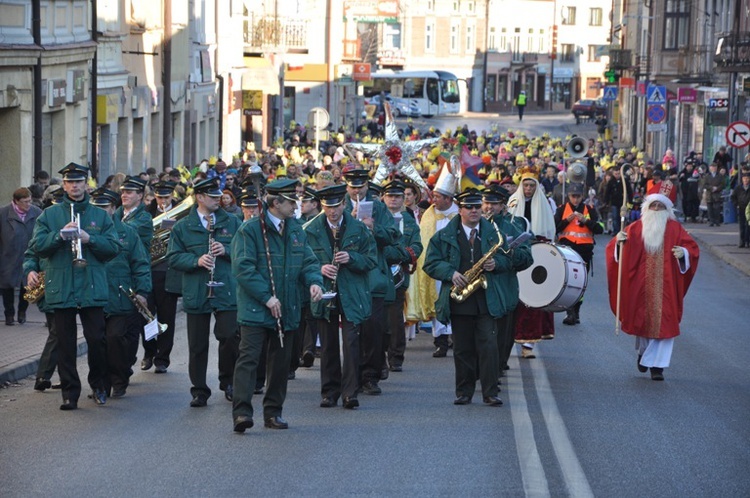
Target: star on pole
{"points": [[394, 154]]}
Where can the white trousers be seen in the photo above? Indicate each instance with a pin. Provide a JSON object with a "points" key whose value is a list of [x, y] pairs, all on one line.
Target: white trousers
{"points": [[654, 352]]}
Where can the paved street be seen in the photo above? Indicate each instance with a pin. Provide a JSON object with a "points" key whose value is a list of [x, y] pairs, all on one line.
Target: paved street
{"points": [[578, 420]]}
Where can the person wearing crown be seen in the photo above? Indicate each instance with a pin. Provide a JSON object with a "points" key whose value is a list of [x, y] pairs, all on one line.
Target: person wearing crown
{"points": [[529, 202], [650, 266]]}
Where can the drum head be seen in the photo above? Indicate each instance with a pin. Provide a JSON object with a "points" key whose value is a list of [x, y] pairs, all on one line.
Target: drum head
{"points": [[542, 282]]}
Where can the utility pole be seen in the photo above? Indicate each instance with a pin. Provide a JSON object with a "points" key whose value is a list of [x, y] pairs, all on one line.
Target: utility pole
{"points": [[93, 123], [166, 79], [36, 27]]}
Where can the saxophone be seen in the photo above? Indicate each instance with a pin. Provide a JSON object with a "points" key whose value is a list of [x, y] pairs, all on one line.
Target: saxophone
{"points": [[34, 294], [475, 274]]}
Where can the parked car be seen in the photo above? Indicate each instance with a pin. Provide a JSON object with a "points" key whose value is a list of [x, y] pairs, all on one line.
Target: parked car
{"points": [[399, 106], [589, 108]]}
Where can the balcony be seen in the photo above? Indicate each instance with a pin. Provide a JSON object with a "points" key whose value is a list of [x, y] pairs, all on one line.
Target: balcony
{"points": [[620, 59], [733, 53], [267, 33]]}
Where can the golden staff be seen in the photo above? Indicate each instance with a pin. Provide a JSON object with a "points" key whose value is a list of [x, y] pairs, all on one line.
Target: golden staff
{"points": [[621, 243]]}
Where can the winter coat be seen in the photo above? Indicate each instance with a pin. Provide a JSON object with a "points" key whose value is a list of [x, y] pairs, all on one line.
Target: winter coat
{"points": [[130, 269], [14, 238]]}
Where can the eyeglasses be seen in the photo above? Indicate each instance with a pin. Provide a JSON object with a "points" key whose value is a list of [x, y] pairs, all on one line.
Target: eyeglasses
{"points": [[472, 207]]}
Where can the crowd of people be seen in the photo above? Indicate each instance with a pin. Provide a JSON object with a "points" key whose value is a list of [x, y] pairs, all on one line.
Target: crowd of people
{"points": [[299, 256]]}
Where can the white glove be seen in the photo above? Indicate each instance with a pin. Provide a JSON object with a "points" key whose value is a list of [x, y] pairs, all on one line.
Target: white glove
{"points": [[622, 236]]}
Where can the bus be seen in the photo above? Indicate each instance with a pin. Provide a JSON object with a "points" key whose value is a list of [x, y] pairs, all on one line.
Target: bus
{"points": [[434, 92]]}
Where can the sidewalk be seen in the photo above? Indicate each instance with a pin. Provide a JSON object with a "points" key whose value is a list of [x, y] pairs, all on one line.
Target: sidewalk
{"points": [[21, 345]]}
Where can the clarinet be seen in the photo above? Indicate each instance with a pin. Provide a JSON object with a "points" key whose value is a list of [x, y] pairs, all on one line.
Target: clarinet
{"points": [[211, 282], [336, 243]]}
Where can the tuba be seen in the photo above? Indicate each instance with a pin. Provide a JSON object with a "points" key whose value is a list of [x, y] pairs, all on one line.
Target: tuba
{"points": [[34, 294], [160, 241]]}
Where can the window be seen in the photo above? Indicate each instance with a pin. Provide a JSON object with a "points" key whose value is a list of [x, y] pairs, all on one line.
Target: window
{"points": [[456, 6], [470, 46], [676, 24], [503, 45], [492, 42], [540, 38], [567, 52], [429, 36], [593, 53], [595, 17], [430, 5], [455, 29], [568, 16]]}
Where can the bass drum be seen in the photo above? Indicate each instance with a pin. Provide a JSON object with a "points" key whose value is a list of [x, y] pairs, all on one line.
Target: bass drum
{"points": [[555, 281]]}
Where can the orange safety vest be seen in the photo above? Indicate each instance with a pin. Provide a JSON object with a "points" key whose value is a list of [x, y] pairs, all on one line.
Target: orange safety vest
{"points": [[574, 232]]}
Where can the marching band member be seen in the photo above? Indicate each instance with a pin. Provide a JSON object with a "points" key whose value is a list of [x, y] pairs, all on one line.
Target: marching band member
{"points": [[248, 203], [470, 243], [130, 269], [425, 294], [76, 289], [405, 255], [269, 301], [530, 202], [494, 199], [381, 283], [203, 264], [346, 250], [164, 301], [576, 226]]}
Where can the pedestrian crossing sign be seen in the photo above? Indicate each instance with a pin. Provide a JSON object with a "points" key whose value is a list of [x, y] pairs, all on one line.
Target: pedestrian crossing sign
{"points": [[610, 93], [656, 95]]}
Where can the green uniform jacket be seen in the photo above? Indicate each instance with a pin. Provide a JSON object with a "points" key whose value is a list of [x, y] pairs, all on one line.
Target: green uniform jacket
{"points": [[398, 254], [385, 233], [32, 262], [66, 286], [295, 269], [352, 284], [141, 220], [187, 243], [131, 269], [443, 258]]}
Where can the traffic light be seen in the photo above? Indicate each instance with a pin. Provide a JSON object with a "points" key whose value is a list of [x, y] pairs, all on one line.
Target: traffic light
{"points": [[611, 76]]}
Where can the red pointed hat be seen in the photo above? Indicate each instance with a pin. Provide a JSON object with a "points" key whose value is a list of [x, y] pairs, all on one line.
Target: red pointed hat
{"points": [[664, 192]]}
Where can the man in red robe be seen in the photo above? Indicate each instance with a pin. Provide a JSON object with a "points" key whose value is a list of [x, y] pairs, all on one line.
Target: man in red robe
{"points": [[659, 260]]}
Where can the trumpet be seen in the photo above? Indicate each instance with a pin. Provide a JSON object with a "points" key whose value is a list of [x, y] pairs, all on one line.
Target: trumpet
{"points": [[75, 244], [143, 310], [211, 282]]}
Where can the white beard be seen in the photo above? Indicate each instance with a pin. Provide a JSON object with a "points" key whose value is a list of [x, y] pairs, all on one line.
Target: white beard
{"points": [[654, 226]]}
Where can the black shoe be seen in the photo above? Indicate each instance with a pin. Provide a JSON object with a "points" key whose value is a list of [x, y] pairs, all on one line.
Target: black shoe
{"points": [[9, 321], [462, 400], [147, 363], [68, 404], [57, 386], [371, 388], [276, 423], [242, 423], [396, 368], [577, 317], [160, 369], [21, 317], [351, 403], [384, 374], [327, 402], [291, 375], [657, 373], [198, 401], [308, 358], [641, 368], [258, 390], [118, 392], [99, 396], [493, 401], [229, 392], [42, 384], [570, 319], [440, 352]]}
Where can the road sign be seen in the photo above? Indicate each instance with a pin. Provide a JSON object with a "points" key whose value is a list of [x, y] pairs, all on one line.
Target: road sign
{"points": [[656, 114], [738, 134], [656, 95], [610, 93], [318, 118], [361, 71]]}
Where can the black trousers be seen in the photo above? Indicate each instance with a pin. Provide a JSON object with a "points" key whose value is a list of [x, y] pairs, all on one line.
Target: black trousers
{"points": [[198, 331], [396, 332], [92, 320], [9, 297], [371, 342], [714, 212], [475, 345], [505, 326], [122, 347], [309, 343], [248, 365], [166, 311], [336, 381], [744, 229], [48, 360]]}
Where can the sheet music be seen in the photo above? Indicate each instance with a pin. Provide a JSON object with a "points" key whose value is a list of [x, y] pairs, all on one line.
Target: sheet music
{"points": [[151, 330], [167, 223], [364, 210]]}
